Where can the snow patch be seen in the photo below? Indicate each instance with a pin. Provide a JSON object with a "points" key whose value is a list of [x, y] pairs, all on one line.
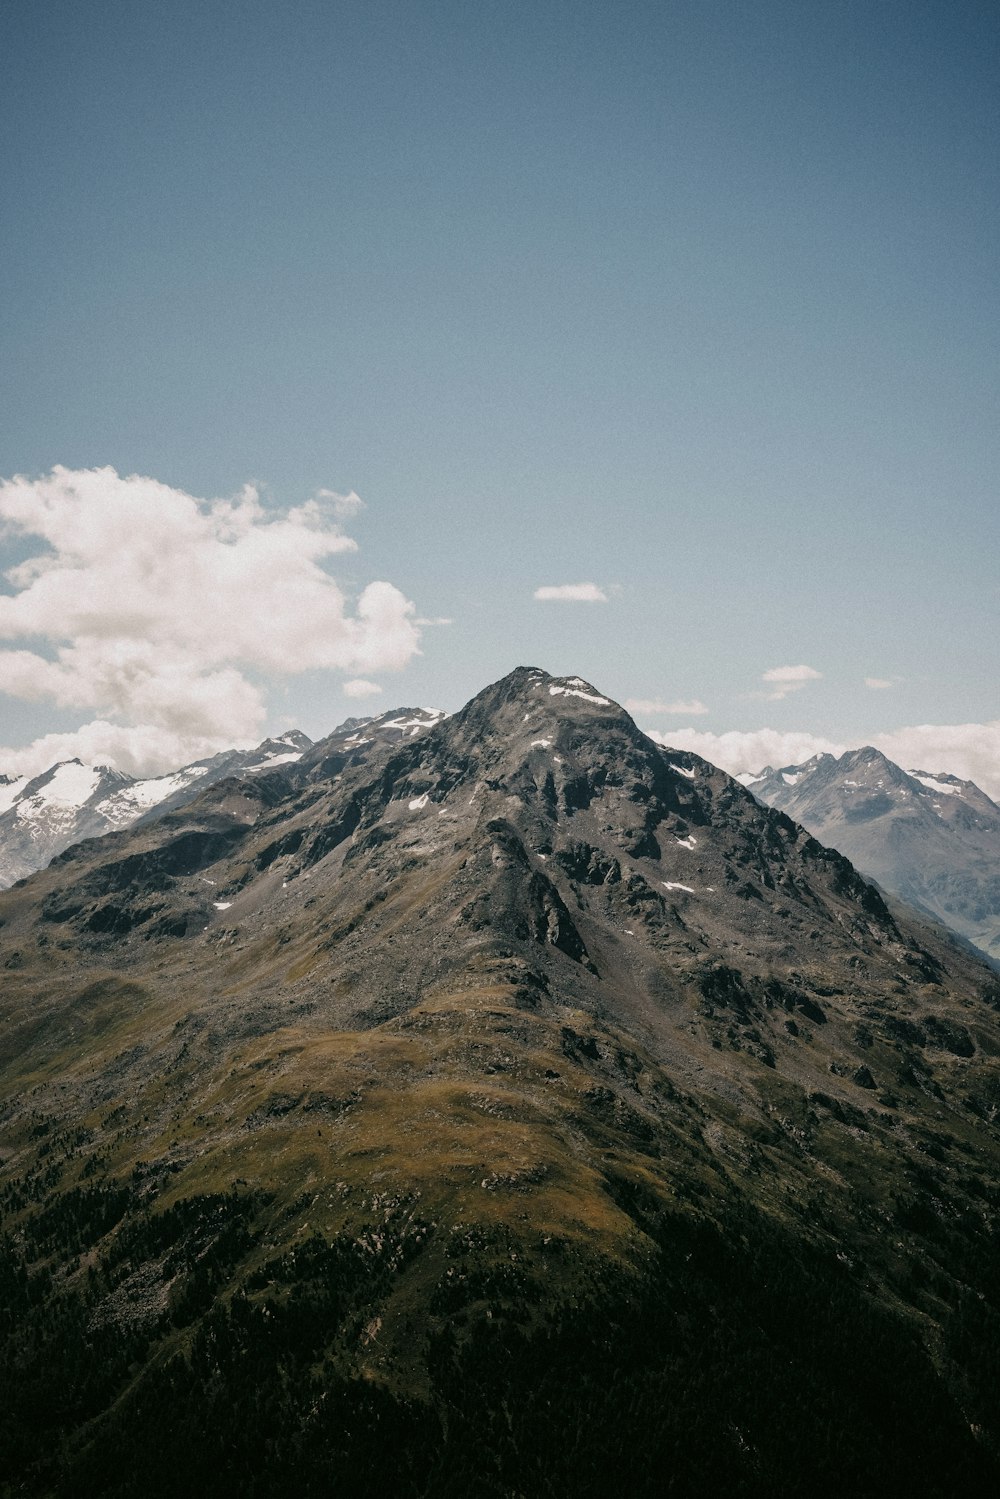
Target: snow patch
{"points": [[418, 802], [70, 785], [10, 791], [671, 885], [688, 842], [682, 770], [941, 787], [541, 744], [423, 718], [791, 780], [591, 697], [222, 905], [283, 759], [52, 808], [124, 806]]}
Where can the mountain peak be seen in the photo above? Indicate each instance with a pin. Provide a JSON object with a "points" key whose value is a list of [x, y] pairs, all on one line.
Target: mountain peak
{"points": [[438, 1038], [929, 838], [284, 750], [294, 738], [534, 694]]}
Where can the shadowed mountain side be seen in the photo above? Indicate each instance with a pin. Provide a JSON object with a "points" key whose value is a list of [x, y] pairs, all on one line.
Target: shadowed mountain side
{"points": [[521, 1078]]}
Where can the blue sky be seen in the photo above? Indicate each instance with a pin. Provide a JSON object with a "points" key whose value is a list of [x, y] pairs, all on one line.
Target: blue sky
{"points": [[696, 302]]}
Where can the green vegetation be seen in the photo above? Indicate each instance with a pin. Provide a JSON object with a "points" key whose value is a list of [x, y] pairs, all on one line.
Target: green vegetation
{"points": [[699, 1375], [480, 1250]]}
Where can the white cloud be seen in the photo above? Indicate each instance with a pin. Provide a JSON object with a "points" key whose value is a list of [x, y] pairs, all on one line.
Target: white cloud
{"points": [[342, 505], [164, 615], [572, 593], [139, 749], [649, 705], [791, 674], [358, 687], [752, 749], [788, 679], [878, 684], [970, 751]]}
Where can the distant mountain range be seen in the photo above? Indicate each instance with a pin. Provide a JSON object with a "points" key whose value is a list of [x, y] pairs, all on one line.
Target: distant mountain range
{"points": [[929, 839], [43, 815], [489, 1105]]}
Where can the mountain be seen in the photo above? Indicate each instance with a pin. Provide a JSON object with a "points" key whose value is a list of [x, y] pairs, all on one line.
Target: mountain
{"points": [[71, 801], [930, 839], [515, 1108], [39, 818]]}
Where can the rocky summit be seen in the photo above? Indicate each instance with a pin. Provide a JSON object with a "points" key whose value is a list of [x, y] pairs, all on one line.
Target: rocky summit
{"points": [[497, 1105]]}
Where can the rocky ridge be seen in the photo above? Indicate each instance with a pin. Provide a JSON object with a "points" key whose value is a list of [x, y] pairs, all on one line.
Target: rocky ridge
{"points": [[70, 802]]}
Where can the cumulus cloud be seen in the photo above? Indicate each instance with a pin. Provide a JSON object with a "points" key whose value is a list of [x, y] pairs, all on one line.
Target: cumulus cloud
{"points": [[787, 679], [358, 687], [792, 675], [572, 593], [739, 750], [342, 505], [970, 751], [165, 615], [646, 706], [139, 749]]}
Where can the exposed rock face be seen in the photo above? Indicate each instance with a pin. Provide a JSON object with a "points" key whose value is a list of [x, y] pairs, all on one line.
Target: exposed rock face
{"points": [[70, 802], [441, 1097], [930, 839]]}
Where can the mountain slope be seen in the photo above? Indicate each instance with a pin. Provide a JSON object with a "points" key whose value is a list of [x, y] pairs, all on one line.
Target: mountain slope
{"points": [[70, 802], [932, 840], [39, 818], [516, 1108]]}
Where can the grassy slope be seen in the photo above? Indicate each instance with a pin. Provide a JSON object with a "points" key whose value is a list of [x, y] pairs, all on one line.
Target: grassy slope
{"points": [[473, 1207]]}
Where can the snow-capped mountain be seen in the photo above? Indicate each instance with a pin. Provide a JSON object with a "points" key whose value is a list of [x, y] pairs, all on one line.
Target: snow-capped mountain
{"points": [[387, 728], [42, 816], [929, 838]]}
